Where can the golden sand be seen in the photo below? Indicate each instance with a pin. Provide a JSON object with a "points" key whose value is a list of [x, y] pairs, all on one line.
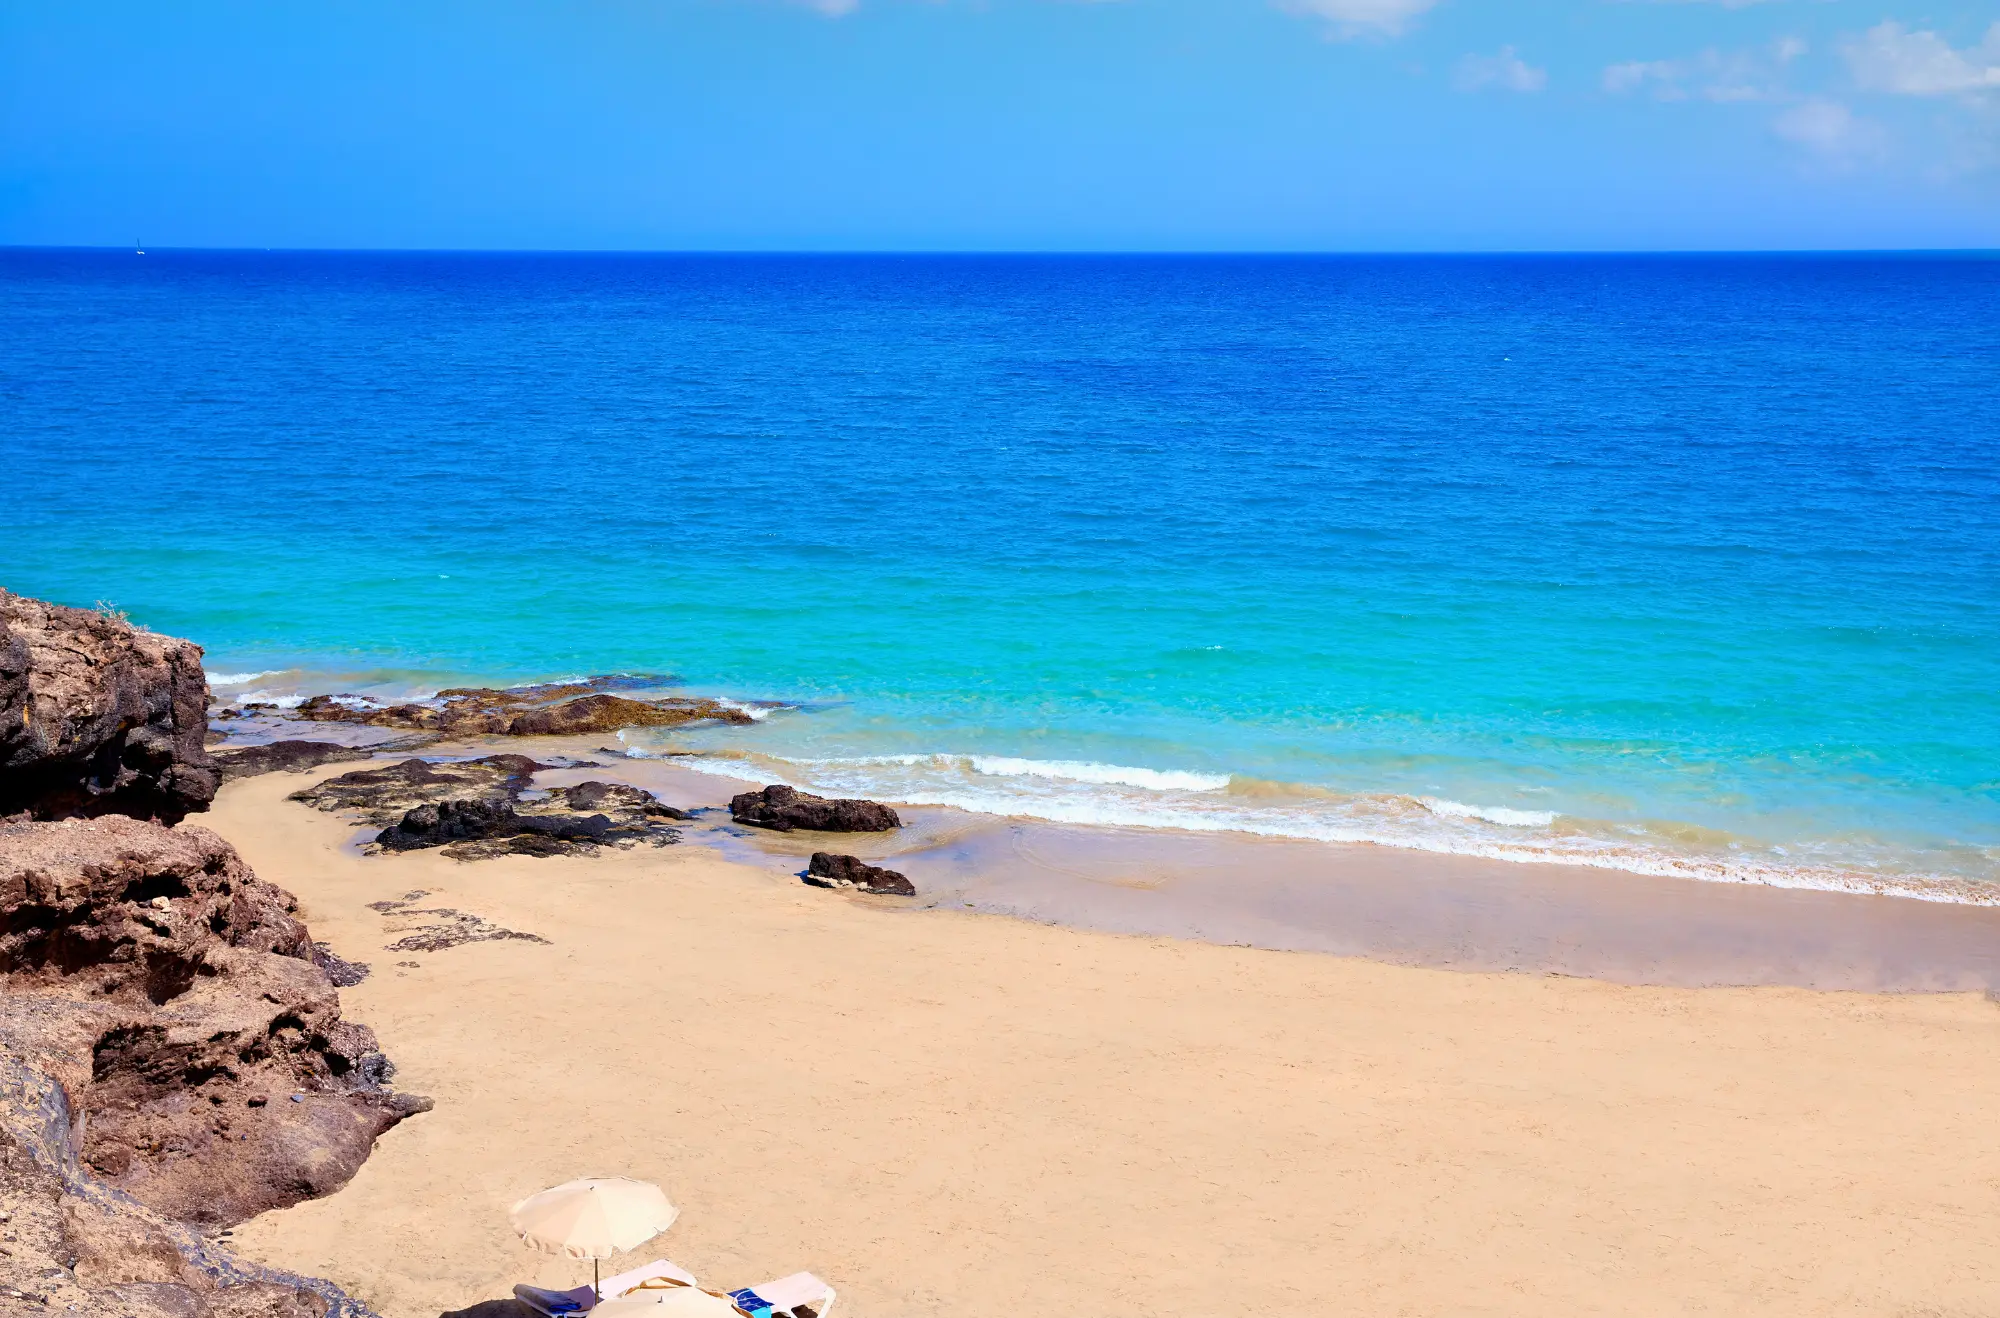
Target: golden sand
{"points": [[943, 1113]]}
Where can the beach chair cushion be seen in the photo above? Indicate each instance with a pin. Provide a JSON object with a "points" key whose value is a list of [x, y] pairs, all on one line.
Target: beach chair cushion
{"points": [[582, 1299], [785, 1294]]}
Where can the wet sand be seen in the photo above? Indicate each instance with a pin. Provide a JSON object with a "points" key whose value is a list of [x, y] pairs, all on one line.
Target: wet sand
{"points": [[1408, 907], [946, 1112]]}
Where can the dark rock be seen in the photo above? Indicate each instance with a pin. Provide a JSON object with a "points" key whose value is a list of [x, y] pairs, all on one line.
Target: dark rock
{"points": [[164, 986], [98, 717], [343, 973], [827, 870], [477, 808], [524, 711], [610, 713], [284, 757], [435, 928], [384, 795], [784, 809]]}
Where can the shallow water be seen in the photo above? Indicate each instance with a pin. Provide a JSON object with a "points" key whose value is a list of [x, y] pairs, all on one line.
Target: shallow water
{"points": [[1676, 566]]}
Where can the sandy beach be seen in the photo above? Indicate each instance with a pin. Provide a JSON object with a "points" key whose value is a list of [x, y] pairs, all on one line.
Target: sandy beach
{"points": [[944, 1112]]}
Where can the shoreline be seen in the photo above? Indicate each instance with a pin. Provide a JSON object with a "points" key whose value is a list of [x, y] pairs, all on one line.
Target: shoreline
{"points": [[944, 1112], [1393, 905], [772, 747]]}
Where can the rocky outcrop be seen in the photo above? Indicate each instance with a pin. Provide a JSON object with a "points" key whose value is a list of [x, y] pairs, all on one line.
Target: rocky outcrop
{"points": [[480, 808], [98, 717], [784, 809], [284, 757], [77, 1245], [827, 870], [528, 711], [383, 796], [179, 1002]]}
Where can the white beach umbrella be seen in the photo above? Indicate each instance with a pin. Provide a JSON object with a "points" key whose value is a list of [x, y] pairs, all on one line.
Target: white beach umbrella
{"points": [[593, 1218]]}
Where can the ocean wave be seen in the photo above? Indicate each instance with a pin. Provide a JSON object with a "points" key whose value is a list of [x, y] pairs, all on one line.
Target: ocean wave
{"points": [[281, 700], [1086, 793], [758, 713], [238, 679], [1492, 814], [1085, 771]]}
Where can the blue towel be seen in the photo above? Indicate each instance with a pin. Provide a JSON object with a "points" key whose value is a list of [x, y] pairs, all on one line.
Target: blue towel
{"points": [[750, 1301]]}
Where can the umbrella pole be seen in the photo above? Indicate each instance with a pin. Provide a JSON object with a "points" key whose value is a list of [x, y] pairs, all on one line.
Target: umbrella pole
{"points": [[596, 1283]]}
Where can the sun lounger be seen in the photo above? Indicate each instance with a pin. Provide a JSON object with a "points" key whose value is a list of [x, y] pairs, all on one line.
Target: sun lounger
{"points": [[786, 1295], [582, 1299]]}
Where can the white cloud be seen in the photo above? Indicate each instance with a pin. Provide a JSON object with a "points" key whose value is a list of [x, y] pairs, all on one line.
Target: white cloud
{"points": [[1829, 129], [1355, 18], [1713, 75], [1890, 58], [1506, 71]]}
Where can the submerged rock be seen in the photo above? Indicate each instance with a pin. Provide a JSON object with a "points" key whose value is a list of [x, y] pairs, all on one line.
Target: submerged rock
{"points": [[785, 808], [185, 1012], [548, 709], [827, 870], [98, 717]]}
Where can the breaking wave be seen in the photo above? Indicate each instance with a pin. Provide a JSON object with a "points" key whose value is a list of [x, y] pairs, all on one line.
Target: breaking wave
{"points": [[1123, 796]]}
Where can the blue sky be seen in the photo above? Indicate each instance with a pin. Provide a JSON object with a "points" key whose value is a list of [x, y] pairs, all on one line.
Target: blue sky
{"points": [[1003, 124]]}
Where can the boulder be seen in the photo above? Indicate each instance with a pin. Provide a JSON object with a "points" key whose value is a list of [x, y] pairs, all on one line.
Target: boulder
{"points": [[98, 717], [827, 870], [181, 1005], [784, 809]]}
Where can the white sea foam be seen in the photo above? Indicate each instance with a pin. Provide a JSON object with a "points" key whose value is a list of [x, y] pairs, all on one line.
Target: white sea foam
{"points": [[269, 698], [1492, 814], [238, 679], [757, 713], [1084, 771], [1081, 792]]}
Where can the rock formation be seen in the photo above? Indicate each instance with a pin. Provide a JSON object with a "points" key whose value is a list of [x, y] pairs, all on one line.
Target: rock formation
{"points": [[177, 999], [172, 1054], [484, 807], [284, 757], [528, 711], [827, 870], [179, 1013], [784, 809], [98, 717], [383, 796]]}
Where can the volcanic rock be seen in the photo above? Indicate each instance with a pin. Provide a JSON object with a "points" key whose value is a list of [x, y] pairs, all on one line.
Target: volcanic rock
{"points": [[784, 809], [98, 717], [284, 757], [524, 711], [177, 1000], [385, 795], [827, 870], [480, 808]]}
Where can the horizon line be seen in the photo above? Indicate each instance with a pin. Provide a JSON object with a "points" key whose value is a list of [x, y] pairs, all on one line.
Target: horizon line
{"points": [[1136, 252]]}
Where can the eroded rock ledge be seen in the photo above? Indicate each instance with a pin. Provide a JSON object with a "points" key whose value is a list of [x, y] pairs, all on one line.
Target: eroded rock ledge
{"points": [[183, 1012], [548, 709], [486, 807], [98, 717]]}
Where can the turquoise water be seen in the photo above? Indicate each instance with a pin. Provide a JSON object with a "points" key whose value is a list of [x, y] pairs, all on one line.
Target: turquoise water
{"points": [[1672, 564]]}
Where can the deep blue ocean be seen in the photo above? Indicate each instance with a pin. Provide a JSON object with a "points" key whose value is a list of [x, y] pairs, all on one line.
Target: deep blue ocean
{"points": [[1664, 563]]}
